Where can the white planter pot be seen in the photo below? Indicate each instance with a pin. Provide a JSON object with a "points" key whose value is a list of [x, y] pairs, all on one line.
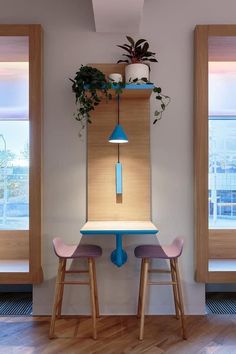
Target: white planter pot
{"points": [[114, 77], [136, 71]]}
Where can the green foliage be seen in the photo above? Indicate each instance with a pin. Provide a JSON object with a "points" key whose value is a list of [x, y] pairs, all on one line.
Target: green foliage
{"points": [[163, 100], [90, 86], [137, 52]]}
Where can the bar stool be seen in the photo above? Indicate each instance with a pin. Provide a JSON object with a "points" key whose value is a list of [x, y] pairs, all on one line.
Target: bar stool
{"points": [[172, 253], [64, 252]]}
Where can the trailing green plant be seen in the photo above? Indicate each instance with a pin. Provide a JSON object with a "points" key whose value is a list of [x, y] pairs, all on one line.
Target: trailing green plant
{"points": [[90, 86], [163, 100], [137, 52]]}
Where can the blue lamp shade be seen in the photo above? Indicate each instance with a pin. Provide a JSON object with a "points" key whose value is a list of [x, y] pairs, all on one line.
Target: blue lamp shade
{"points": [[118, 135]]}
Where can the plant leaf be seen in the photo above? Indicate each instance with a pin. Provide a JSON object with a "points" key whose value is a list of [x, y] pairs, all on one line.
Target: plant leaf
{"points": [[163, 106], [123, 47], [122, 61], [130, 39], [145, 47], [128, 46], [128, 56], [140, 41]]}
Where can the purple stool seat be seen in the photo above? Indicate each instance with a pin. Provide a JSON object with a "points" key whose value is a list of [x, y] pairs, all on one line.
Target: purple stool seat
{"points": [[75, 251], [173, 250]]}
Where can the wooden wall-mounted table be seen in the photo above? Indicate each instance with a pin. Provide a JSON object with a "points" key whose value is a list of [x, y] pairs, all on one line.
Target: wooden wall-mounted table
{"points": [[119, 228]]}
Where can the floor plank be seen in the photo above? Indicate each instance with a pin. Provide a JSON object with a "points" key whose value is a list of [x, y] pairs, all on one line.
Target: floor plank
{"points": [[214, 334]]}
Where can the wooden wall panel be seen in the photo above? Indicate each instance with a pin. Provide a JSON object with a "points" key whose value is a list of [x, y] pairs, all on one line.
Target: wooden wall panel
{"points": [[209, 244], [102, 203], [14, 244], [222, 244], [201, 152], [110, 68], [36, 128], [35, 34]]}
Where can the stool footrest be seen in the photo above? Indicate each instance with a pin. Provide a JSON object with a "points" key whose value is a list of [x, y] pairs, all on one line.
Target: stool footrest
{"points": [[159, 271], [75, 271], [161, 283], [75, 282]]}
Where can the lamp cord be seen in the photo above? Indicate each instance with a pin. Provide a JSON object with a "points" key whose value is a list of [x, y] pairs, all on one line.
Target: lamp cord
{"points": [[118, 121], [118, 101]]}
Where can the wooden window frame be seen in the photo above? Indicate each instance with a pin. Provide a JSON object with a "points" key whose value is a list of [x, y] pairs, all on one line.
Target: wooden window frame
{"points": [[207, 242], [35, 35]]}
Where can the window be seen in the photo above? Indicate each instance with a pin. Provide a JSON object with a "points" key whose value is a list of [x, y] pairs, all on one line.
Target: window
{"points": [[20, 152], [215, 151], [14, 175], [14, 133], [222, 145]]}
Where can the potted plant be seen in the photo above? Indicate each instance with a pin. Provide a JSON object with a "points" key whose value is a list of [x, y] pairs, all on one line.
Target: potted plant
{"points": [[90, 85], [137, 71], [138, 56]]}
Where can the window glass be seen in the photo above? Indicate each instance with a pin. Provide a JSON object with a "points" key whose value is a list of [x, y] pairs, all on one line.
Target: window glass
{"points": [[14, 175], [222, 172], [14, 133]]}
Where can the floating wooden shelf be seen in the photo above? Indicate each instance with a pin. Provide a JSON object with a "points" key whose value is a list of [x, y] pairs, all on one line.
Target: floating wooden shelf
{"points": [[137, 91]]}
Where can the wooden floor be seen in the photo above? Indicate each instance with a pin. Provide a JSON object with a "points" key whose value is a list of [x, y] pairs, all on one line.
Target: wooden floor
{"points": [[118, 335]]}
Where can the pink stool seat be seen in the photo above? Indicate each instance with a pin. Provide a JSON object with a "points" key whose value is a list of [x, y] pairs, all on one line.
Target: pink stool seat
{"points": [[169, 253], [173, 250], [75, 251]]}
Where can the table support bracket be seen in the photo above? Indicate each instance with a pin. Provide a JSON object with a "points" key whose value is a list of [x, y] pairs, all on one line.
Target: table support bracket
{"points": [[119, 256]]}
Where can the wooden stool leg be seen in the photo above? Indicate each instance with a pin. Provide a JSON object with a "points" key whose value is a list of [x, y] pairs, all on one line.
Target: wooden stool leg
{"points": [[61, 290], [181, 306], [143, 297], [92, 294], [140, 289], [95, 288], [56, 297], [174, 286]]}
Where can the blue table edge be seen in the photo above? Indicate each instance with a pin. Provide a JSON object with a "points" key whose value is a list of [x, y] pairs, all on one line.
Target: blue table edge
{"points": [[118, 232], [119, 256]]}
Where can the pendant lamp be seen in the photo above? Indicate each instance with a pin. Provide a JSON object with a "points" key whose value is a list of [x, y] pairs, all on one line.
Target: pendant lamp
{"points": [[118, 136]]}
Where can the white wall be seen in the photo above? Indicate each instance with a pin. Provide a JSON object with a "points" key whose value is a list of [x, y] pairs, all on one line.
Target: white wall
{"points": [[70, 40]]}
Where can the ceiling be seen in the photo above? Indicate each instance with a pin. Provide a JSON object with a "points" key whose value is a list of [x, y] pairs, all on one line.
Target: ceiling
{"points": [[117, 16]]}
